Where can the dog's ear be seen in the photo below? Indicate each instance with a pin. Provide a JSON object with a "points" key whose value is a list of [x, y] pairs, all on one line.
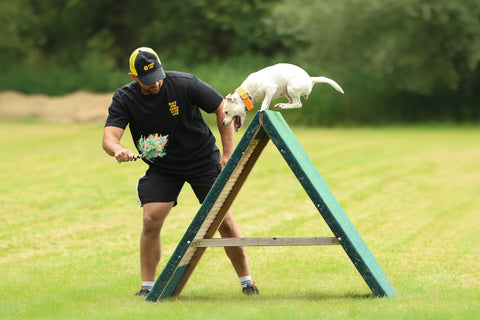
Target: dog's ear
{"points": [[229, 97]]}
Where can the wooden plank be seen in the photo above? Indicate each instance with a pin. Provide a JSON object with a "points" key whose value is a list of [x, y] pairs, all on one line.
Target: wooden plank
{"points": [[254, 242]]}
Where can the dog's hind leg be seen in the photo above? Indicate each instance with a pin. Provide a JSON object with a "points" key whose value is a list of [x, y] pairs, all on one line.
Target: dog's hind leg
{"points": [[296, 87], [290, 100], [294, 103]]}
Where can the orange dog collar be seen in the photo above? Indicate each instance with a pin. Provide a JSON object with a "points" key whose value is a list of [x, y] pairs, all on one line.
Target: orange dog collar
{"points": [[245, 97]]}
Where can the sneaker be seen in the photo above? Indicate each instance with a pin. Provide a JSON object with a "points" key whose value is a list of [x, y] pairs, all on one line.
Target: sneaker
{"points": [[143, 292], [251, 289]]}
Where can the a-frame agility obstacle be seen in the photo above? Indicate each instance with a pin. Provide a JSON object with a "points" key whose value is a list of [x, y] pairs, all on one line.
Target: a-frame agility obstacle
{"points": [[265, 126]]}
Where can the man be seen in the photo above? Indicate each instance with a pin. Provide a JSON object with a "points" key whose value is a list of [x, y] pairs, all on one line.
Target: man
{"points": [[169, 103]]}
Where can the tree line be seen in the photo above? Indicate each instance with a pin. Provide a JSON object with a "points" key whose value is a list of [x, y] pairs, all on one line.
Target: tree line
{"points": [[398, 61]]}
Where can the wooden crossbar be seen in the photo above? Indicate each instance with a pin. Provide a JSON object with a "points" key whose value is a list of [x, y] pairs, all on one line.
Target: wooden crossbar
{"points": [[277, 241]]}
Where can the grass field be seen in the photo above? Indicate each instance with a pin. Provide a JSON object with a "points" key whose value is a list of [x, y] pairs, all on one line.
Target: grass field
{"points": [[70, 227]]}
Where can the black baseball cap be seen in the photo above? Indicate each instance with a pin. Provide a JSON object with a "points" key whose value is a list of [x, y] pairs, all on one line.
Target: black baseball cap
{"points": [[146, 65]]}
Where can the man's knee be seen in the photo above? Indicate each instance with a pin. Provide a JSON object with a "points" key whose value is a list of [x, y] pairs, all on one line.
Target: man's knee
{"points": [[229, 227], [154, 215]]}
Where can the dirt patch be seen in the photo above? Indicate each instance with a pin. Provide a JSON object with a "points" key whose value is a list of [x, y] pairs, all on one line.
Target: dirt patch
{"points": [[77, 107]]}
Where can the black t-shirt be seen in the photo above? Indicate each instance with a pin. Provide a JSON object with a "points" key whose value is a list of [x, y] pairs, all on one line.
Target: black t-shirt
{"points": [[174, 111]]}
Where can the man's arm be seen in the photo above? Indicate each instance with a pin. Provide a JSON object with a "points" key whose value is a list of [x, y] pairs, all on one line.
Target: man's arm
{"points": [[226, 134], [111, 144]]}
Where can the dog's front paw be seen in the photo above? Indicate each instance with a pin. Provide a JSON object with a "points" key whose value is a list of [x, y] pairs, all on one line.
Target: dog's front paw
{"points": [[280, 106]]}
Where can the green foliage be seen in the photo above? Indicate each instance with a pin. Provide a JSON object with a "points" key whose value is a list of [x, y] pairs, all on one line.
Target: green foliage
{"points": [[199, 30], [403, 55], [398, 61], [192, 29]]}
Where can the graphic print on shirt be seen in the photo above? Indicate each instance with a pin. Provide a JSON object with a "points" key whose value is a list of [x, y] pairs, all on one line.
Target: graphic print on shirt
{"points": [[174, 109]]}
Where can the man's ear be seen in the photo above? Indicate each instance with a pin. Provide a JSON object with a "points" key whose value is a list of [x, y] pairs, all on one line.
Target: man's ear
{"points": [[134, 77]]}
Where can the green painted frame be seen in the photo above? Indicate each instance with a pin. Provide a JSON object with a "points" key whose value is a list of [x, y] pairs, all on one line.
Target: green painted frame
{"points": [[265, 126]]}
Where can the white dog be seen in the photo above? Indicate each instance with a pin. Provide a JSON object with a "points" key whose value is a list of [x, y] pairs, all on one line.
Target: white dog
{"points": [[280, 80]]}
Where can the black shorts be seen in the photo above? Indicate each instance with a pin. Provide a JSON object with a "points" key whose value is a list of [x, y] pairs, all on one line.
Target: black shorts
{"points": [[157, 186]]}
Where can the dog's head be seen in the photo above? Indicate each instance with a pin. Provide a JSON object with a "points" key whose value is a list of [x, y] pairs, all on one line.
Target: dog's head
{"points": [[234, 110]]}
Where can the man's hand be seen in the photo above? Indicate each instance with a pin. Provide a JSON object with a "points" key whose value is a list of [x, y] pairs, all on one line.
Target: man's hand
{"points": [[124, 155], [112, 146], [224, 159]]}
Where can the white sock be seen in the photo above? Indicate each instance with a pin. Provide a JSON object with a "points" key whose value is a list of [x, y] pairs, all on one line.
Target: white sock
{"points": [[148, 284], [244, 281]]}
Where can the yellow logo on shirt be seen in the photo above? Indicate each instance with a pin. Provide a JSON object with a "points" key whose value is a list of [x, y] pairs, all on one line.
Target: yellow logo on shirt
{"points": [[173, 108]]}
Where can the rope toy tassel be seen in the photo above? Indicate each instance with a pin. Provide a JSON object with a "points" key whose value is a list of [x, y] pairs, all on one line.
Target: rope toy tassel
{"points": [[152, 146]]}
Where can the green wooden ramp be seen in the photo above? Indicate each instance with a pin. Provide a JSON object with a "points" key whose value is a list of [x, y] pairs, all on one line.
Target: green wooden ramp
{"points": [[266, 126]]}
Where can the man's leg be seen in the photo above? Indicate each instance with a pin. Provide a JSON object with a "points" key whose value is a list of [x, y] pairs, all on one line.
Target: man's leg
{"points": [[228, 229], [238, 255], [154, 215]]}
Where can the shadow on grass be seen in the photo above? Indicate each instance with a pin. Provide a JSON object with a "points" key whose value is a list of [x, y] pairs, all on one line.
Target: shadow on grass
{"points": [[292, 296]]}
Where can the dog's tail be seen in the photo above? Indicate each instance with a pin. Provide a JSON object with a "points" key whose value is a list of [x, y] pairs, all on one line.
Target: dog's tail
{"points": [[327, 80]]}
